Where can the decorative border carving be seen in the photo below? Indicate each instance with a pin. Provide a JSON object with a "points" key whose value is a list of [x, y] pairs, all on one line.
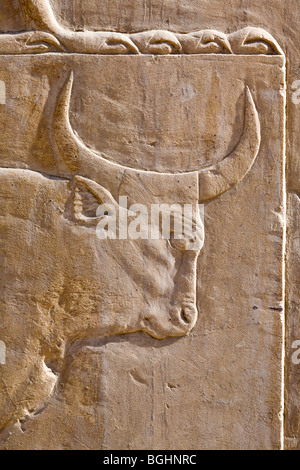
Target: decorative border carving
{"points": [[248, 41]]}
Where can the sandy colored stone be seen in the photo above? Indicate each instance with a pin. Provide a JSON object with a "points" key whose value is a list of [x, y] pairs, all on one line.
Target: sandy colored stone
{"points": [[80, 373]]}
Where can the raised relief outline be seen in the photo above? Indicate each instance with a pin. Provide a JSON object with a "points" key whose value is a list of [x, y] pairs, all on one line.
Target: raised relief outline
{"points": [[49, 35]]}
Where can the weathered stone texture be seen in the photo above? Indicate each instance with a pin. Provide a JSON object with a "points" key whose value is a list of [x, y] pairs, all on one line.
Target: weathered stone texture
{"points": [[94, 359]]}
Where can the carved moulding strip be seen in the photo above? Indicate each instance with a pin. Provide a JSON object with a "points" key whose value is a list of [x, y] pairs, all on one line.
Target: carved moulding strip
{"points": [[248, 41], [40, 17]]}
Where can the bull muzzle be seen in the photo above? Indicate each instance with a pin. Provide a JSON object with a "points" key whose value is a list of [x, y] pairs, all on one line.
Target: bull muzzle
{"points": [[182, 319]]}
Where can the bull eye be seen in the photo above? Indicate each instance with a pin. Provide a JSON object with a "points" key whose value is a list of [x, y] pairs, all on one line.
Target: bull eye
{"points": [[181, 244]]}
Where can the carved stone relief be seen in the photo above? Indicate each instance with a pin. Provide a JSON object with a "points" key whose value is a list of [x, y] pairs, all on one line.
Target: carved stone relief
{"points": [[39, 15], [153, 118]]}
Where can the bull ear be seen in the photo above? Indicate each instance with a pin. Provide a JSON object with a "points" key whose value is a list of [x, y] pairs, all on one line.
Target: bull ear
{"points": [[88, 196]]}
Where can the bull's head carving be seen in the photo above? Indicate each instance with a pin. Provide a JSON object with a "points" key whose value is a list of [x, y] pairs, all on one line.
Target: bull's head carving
{"points": [[70, 285], [175, 311]]}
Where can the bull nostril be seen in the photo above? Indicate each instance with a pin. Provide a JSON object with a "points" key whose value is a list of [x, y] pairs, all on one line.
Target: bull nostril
{"points": [[185, 317]]}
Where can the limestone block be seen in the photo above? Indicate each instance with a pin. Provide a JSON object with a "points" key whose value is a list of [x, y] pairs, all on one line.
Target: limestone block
{"points": [[142, 344]]}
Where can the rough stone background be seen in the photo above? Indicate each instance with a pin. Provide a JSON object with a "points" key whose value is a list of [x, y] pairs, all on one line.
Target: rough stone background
{"points": [[280, 19]]}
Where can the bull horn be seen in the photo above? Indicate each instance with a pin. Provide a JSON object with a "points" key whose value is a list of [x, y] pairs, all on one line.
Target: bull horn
{"points": [[223, 176], [213, 181]]}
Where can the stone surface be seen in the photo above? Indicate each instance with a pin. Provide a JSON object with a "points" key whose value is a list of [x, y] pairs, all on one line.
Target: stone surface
{"points": [[92, 358]]}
